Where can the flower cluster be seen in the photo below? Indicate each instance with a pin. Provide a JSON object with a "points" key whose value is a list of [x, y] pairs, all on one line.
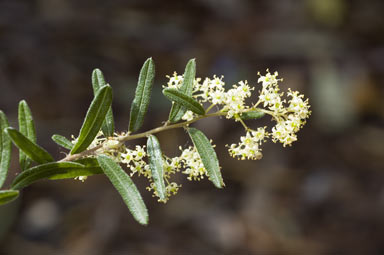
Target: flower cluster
{"points": [[290, 118], [189, 160], [290, 114], [134, 159], [192, 163], [249, 146], [213, 91]]}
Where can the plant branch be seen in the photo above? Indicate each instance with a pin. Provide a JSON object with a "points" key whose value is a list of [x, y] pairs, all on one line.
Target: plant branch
{"points": [[128, 137]]}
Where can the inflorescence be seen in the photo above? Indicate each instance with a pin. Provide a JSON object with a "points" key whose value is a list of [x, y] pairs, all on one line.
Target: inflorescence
{"points": [[288, 112]]}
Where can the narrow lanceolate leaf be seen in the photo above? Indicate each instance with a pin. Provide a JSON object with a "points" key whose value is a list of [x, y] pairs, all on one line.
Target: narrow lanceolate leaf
{"points": [[188, 102], [127, 189], [45, 171], [27, 128], [31, 149], [5, 149], [140, 103], [94, 119], [156, 165], [178, 110], [252, 115], [207, 155], [7, 196], [62, 141], [98, 81], [90, 167]]}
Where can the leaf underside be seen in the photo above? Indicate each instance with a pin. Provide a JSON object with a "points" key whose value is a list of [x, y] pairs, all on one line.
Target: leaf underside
{"points": [[252, 115], [156, 165], [62, 141]]}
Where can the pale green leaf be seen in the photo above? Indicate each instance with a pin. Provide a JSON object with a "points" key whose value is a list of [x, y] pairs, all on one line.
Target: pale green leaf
{"points": [[178, 110], [98, 81], [94, 119], [7, 196], [188, 102], [27, 128], [208, 156], [31, 149], [156, 164], [252, 115], [140, 103], [62, 141], [5, 148], [127, 189]]}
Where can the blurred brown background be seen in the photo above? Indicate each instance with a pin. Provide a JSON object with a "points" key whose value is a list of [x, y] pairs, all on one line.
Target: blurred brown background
{"points": [[324, 195]]}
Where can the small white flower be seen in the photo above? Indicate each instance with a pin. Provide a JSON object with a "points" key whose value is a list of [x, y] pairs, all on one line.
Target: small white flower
{"points": [[192, 163], [175, 81], [189, 115], [81, 178], [249, 146]]}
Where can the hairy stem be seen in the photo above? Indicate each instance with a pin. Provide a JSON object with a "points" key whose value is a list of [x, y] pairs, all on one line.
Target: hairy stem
{"points": [[166, 126]]}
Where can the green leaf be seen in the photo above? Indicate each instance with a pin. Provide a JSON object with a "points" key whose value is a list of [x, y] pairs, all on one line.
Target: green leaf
{"points": [[62, 141], [178, 110], [7, 196], [188, 102], [27, 128], [140, 103], [31, 149], [252, 115], [98, 81], [5, 149], [108, 126], [53, 170], [90, 167], [127, 189], [156, 164], [94, 119], [207, 155]]}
